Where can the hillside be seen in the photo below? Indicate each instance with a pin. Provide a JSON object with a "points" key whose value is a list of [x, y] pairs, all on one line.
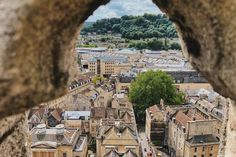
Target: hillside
{"points": [[134, 27]]}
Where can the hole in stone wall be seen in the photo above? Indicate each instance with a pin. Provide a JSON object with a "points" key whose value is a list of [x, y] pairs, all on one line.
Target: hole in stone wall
{"points": [[111, 53]]}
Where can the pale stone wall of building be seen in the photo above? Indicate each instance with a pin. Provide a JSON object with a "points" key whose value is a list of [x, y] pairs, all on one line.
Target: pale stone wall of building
{"points": [[201, 127]]}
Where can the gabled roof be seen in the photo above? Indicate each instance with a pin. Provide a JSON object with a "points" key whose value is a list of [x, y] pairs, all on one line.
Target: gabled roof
{"points": [[120, 129], [112, 153], [56, 113], [130, 153], [37, 112], [126, 115]]}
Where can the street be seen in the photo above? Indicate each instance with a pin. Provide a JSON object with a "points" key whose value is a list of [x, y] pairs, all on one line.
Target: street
{"points": [[147, 150]]}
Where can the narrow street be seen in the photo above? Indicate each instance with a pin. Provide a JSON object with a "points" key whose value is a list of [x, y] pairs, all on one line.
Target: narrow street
{"points": [[147, 151]]}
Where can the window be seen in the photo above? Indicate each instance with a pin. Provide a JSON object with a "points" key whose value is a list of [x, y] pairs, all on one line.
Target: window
{"points": [[210, 154], [64, 155], [203, 148], [195, 156], [211, 147], [195, 149], [202, 155]]}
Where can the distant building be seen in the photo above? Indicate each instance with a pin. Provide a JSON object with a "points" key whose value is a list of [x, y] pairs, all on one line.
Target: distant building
{"points": [[104, 65], [85, 50], [57, 142]]}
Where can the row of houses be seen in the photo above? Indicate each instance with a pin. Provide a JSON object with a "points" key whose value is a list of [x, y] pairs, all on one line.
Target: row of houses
{"points": [[66, 131]]}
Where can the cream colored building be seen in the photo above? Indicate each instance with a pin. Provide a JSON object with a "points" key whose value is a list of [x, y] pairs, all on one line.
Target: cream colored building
{"points": [[108, 65], [119, 139], [185, 126], [155, 125], [202, 146], [56, 142]]}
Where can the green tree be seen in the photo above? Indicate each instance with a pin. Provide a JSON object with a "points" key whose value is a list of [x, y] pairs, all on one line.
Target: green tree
{"points": [[149, 88], [97, 79], [175, 46]]}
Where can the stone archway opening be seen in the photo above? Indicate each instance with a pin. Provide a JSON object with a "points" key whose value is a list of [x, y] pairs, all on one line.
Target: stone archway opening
{"points": [[35, 37]]}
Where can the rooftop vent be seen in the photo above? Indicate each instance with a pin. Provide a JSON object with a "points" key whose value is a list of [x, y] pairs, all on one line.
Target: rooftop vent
{"points": [[60, 129], [41, 128]]}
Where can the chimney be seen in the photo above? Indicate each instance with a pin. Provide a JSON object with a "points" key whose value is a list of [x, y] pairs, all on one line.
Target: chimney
{"points": [[162, 105], [41, 131], [173, 119], [41, 128], [60, 129]]}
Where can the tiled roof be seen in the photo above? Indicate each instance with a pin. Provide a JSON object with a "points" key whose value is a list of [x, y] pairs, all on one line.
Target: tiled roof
{"points": [[155, 113], [182, 118], [98, 112], [56, 113], [37, 111]]}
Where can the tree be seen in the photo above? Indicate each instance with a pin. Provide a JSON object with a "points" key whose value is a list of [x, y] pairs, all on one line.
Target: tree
{"points": [[149, 88], [175, 46]]}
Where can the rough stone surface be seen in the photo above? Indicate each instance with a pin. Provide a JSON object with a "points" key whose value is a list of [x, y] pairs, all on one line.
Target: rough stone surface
{"points": [[230, 143], [14, 136], [36, 36], [207, 30]]}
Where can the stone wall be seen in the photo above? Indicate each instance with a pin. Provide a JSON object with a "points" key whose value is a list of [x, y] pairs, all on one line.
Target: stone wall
{"points": [[36, 37]]}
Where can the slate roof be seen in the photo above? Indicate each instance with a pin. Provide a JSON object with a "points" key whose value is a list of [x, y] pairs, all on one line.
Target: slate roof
{"points": [[98, 112], [200, 139]]}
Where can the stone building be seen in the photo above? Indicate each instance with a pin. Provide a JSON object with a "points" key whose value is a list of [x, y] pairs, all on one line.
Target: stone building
{"points": [[155, 125], [97, 113], [117, 139], [121, 101], [185, 126], [105, 64], [56, 142], [105, 96], [202, 146]]}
